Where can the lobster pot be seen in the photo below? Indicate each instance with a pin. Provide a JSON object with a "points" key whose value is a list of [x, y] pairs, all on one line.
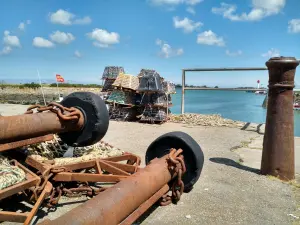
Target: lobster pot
{"points": [[144, 72], [122, 97], [150, 81], [169, 87], [127, 81], [108, 85], [123, 113], [112, 72], [155, 99], [154, 114]]}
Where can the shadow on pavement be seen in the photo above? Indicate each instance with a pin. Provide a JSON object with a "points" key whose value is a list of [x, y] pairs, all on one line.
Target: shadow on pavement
{"points": [[230, 162]]}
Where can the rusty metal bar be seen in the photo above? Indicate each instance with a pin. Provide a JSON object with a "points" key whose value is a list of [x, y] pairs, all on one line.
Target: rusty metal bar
{"points": [[20, 127], [278, 146], [112, 206], [26, 217], [183, 88], [225, 89], [182, 91], [31, 180], [226, 69], [17, 144], [145, 206], [84, 177]]}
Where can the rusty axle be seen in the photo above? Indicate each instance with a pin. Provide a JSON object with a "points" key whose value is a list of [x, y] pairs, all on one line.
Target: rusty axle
{"points": [[20, 127], [116, 203]]}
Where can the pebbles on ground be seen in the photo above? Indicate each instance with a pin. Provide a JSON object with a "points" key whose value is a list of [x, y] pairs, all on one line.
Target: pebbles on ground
{"points": [[213, 120]]}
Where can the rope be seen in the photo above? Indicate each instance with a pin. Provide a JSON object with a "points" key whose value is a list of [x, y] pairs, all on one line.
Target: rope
{"points": [[9, 174], [54, 150]]}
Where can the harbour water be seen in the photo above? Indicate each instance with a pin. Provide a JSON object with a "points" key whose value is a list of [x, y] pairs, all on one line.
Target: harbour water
{"points": [[235, 105]]}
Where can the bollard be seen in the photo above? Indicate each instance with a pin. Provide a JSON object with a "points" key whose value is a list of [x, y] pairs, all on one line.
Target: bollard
{"points": [[278, 145]]}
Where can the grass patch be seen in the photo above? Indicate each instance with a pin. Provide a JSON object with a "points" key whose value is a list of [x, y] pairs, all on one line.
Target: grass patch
{"points": [[244, 144]]}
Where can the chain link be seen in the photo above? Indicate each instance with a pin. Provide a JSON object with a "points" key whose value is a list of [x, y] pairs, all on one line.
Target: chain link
{"points": [[73, 113], [176, 166]]}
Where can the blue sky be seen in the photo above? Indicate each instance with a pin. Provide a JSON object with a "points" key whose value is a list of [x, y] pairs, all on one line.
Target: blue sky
{"points": [[77, 39]]}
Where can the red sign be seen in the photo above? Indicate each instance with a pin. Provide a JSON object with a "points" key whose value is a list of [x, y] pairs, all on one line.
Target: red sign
{"points": [[59, 78], [258, 81]]}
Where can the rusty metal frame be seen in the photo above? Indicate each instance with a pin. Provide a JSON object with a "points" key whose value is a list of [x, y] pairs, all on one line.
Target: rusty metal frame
{"points": [[108, 171], [18, 144], [126, 201], [183, 88], [27, 217], [32, 180]]}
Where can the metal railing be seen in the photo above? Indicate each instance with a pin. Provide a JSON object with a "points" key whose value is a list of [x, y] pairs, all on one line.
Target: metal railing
{"points": [[217, 89]]}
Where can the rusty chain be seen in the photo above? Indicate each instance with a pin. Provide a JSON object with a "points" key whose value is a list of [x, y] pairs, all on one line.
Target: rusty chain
{"points": [[177, 167], [73, 113]]}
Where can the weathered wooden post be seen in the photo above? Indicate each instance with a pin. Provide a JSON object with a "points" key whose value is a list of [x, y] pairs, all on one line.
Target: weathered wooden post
{"points": [[278, 147]]}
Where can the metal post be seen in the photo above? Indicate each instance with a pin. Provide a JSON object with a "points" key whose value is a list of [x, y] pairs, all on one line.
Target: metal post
{"points": [[113, 205], [278, 147], [182, 91]]}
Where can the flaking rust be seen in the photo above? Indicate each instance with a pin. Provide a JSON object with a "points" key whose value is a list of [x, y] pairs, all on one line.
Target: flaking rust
{"points": [[278, 147], [46, 182]]}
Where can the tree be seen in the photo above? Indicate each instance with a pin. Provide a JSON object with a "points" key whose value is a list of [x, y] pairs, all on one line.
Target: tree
{"points": [[216, 87]]}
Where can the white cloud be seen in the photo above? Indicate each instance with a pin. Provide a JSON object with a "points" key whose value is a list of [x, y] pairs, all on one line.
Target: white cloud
{"points": [[158, 42], [237, 53], [61, 37], [271, 53], [210, 38], [174, 2], [66, 18], [166, 51], [42, 43], [294, 26], [191, 10], [6, 50], [103, 38], [77, 54], [166, 2], [11, 40], [193, 2], [22, 25], [186, 24], [84, 20], [260, 9]]}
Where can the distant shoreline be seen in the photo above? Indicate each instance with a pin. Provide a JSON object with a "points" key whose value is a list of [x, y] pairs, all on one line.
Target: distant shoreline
{"points": [[31, 96]]}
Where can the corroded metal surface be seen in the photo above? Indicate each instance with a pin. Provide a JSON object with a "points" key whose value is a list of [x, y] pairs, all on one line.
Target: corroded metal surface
{"points": [[114, 205], [278, 147], [20, 127], [17, 144]]}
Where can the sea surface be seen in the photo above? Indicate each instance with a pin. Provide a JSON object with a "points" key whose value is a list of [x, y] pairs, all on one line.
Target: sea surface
{"points": [[235, 105]]}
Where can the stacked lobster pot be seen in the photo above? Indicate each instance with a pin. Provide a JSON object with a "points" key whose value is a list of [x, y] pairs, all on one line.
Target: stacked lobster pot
{"points": [[123, 98], [109, 76], [155, 96]]}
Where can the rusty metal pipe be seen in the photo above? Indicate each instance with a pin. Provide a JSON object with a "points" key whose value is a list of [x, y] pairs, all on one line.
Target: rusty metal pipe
{"points": [[20, 127], [278, 147], [116, 203]]}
